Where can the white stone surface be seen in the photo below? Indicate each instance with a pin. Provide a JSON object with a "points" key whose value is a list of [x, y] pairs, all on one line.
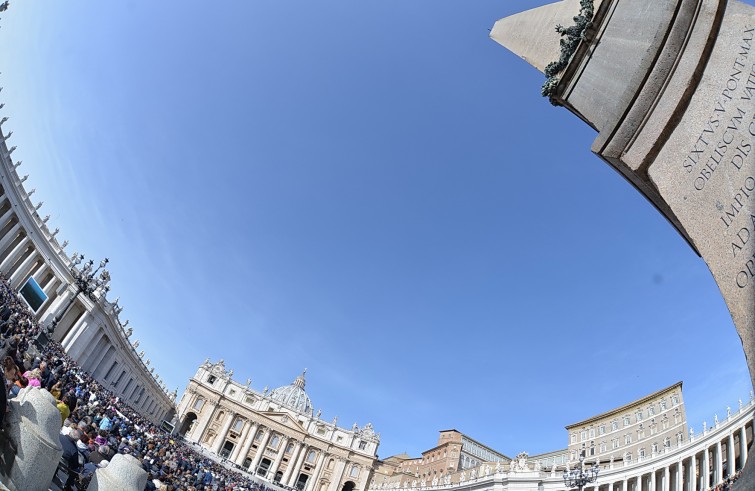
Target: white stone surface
{"points": [[124, 473], [34, 424]]}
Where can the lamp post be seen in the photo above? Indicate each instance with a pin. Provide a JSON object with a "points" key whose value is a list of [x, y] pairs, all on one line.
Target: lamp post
{"points": [[87, 282], [578, 478]]}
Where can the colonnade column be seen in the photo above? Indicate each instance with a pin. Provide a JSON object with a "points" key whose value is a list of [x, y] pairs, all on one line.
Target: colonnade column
{"points": [[678, 476], [260, 450], [624, 485], [242, 438], [247, 443], [224, 432], [666, 477], [693, 473], [292, 462], [719, 464], [652, 480], [278, 457], [705, 469], [731, 460], [743, 444]]}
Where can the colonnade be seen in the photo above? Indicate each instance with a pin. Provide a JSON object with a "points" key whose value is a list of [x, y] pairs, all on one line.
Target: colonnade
{"points": [[89, 330], [697, 464]]}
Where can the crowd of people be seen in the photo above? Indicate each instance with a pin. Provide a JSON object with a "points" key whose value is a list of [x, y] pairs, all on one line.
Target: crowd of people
{"points": [[95, 424], [728, 483]]}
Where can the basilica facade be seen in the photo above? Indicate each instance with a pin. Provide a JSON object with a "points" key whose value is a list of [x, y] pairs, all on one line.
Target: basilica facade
{"points": [[275, 434]]}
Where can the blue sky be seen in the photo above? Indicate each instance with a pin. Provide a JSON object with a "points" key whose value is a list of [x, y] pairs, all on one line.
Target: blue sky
{"points": [[372, 190]]}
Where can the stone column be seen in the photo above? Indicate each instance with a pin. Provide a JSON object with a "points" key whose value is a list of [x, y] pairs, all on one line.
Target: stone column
{"points": [[652, 480], [247, 443], [242, 439], [705, 468], [312, 484], [678, 476], [624, 485], [221, 437], [731, 460], [719, 464], [666, 477], [292, 462], [293, 474], [338, 475], [743, 444], [279, 456], [260, 450], [692, 473]]}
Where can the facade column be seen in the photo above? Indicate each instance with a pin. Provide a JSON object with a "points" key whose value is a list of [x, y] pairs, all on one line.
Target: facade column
{"points": [[731, 461], [692, 473], [719, 464], [666, 477], [652, 480], [624, 485], [312, 483], [339, 470], [743, 444], [203, 421], [251, 433], [221, 437], [292, 462], [279, 456], [242, 440], [260, 450], [294, 474]]}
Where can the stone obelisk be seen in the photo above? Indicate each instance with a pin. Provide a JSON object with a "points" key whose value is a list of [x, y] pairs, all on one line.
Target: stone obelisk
{"points": [[669, 85]]}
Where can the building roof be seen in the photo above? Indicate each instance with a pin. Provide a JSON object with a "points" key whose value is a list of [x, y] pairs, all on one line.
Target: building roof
{"points": [[626, 406], [293, 396]]}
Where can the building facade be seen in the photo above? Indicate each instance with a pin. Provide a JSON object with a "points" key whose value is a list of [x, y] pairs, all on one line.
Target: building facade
{"points": [[275, 434], [637, 430], [692, 462], [87, 324]]}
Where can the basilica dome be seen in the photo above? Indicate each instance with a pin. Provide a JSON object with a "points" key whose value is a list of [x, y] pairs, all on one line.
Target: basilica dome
{"points": [[293, 396]]}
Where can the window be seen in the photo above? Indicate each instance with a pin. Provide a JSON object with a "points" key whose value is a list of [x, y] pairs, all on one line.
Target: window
{"points": [[627, 439], [354, 471], [651, 410], [642, 453], [574, 438], [583, 435], [320, 430], [238, 425], [198, 404], [274, 441], [311, 456], [674, 400], [249, 400], [679, 438], [603, 447], [663, 404], [602, 429], [665, 423], [626, 421], [615, 443], [592, 432], [211, 379], [667, 442], [259, 436], [628, 457], [289, 448], [655, 447], [231, 392], [639, 415], [614, 425], [220, 416], [362, 445]]}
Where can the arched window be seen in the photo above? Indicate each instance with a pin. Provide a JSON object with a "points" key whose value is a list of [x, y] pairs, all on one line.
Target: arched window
{"points": [[220, 416], [614, 425], [238, 425], [259, 436], [311, 456], [354, 471], [274, 441], [289, 448]]}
